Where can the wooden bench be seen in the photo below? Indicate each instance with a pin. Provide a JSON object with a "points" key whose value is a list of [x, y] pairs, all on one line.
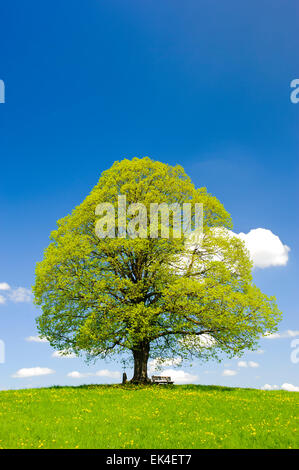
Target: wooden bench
{"points": [[161, 380]]}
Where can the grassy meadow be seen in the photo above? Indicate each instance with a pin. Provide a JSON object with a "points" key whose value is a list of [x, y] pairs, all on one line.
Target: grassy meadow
{"points": [[182, 416]]}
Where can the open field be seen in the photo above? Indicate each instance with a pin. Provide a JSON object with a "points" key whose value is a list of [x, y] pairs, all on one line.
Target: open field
{"points": [[189, 416]]}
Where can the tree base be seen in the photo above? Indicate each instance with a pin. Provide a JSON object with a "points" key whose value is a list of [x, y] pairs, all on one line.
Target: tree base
{"points": [[141, 381]]}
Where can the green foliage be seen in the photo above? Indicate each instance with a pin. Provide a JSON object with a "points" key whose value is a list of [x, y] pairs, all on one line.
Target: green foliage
{"points": [[178, 417], [111, 295]]}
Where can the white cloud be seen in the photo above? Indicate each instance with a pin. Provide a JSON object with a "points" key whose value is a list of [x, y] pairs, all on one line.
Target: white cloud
{"points": [[290, 387], [20, 294], [17, 295], [64, 354], [271, 336], [36, 339], [286, 386], [229, 372], [76, 375], [253, 364], [108, 373], [157, 364], [248, 364], [242, 364], [180, 376], [265, 248], [198, 342], [4, 286], [100, 373], [284, 334], [269, 387], [291, 333], [32, 372]]}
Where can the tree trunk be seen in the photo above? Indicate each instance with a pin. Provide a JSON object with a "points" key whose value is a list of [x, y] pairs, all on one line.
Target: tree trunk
{"points": [[141, 355]]}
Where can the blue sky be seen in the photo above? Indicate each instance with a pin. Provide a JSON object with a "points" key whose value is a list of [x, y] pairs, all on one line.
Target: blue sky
{"points": [[205, 84]]}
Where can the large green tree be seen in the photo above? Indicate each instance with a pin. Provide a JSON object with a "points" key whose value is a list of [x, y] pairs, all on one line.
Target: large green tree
{"points": [[158, 297]]}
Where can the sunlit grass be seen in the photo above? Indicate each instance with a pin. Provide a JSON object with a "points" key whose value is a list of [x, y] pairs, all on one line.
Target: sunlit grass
{"points": [[148, 417]]}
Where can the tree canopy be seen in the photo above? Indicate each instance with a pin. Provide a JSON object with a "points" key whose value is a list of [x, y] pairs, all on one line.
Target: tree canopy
{"points": [[158, 297]]}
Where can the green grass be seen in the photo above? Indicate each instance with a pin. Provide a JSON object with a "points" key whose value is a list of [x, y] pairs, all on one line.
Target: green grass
{"points": [[148, 417]]}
